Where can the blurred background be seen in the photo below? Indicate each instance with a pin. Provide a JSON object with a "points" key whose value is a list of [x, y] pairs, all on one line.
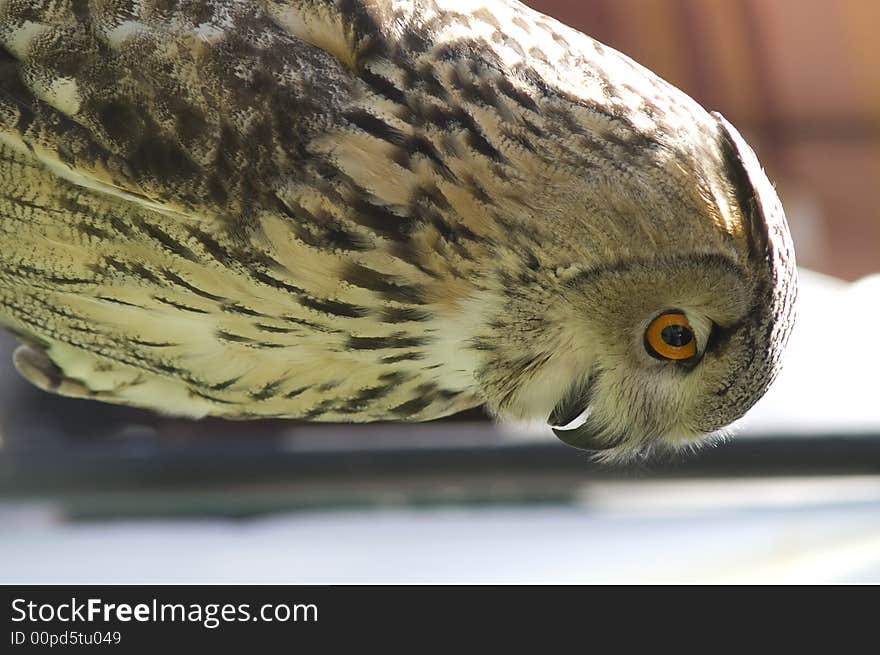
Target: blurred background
{"points": [[95, 493]]}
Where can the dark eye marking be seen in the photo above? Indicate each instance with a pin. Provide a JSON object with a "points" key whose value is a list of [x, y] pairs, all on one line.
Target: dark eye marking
{"points": [[714, 339]]}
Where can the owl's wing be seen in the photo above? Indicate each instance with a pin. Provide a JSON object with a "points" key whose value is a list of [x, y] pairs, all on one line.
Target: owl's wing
{"points": [[209, 207], [201, 110]]}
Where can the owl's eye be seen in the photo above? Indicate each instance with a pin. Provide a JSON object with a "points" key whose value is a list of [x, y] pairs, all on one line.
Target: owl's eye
{"points": [[670, 337]]}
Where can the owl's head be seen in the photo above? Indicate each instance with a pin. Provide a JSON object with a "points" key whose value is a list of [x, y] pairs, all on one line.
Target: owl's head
{"points": [[682, 330], [687, 342]]}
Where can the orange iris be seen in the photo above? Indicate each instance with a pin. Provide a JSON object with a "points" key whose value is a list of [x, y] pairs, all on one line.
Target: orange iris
{"points": [[670, 336]]}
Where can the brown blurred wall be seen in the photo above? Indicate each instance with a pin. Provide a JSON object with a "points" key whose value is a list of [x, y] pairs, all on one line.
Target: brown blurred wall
{"points": [[800, 78]]}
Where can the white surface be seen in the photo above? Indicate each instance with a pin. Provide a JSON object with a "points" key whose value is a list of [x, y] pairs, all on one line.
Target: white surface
{"points": [[725, 531], [830, 381]]}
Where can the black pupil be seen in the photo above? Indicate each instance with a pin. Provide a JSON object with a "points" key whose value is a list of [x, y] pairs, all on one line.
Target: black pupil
{"points": [[676, 335]]}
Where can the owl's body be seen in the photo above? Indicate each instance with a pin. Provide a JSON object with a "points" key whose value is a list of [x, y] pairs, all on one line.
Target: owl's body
{"points": [[364, 210]]}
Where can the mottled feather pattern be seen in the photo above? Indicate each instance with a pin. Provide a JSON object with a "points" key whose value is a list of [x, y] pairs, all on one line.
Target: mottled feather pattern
{"points": [[332, 210]]}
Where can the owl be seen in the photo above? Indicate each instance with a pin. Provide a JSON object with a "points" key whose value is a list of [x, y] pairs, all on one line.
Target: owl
{"points": [[363, 210]]}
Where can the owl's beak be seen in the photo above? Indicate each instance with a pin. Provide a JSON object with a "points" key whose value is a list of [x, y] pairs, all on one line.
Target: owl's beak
{"points": [[587, 437], [570, 419]]}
